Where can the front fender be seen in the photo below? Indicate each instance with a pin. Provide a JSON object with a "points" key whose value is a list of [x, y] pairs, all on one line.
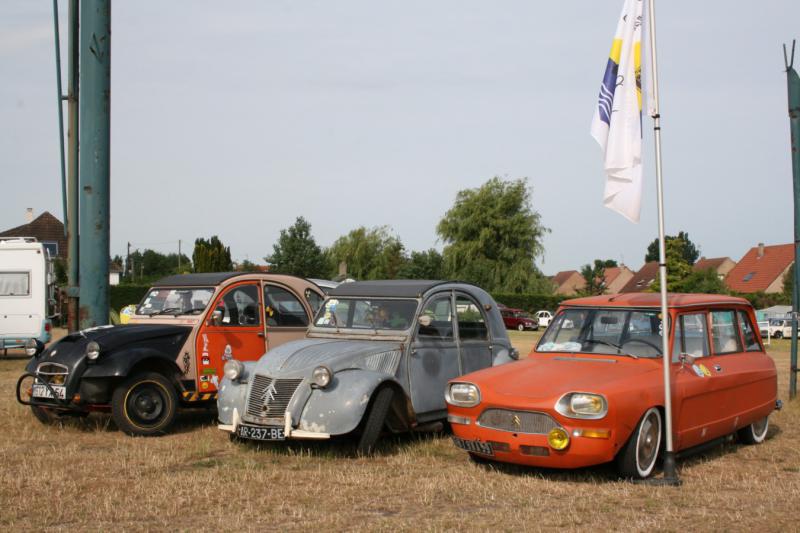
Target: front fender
{"points": [[233, 395], [120, 363], [339, 408]]}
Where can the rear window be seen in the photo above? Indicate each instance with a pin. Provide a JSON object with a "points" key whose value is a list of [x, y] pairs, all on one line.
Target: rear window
{"points": [[15, 284]]}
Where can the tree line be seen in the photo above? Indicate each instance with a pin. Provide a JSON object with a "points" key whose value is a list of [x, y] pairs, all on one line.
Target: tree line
{"points": [[491, 236]]}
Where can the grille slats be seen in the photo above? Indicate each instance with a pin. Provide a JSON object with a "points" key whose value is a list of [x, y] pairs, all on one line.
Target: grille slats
{"points": [[526, 421], [269, 397]]}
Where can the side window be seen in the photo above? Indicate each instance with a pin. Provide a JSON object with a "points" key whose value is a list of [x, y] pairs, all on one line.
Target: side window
{"points": [[724, 333], [749, 333], [282, 308], [314, 300], [15, 284], [240, 306], [471, 324], [690, 336], [436, 319]]}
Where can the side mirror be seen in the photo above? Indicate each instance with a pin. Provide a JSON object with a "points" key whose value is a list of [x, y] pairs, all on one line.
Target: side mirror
{"points": [[216, 317], [688, 359], [513, 353]]}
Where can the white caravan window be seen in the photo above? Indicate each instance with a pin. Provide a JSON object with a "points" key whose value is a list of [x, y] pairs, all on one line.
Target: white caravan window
{"points": [[15, 284]]}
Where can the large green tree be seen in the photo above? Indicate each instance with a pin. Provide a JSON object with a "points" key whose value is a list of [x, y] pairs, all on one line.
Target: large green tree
{"points": [[492, 237], [296, 252], [595, 276], [422, 265], [688, 250], [211, 256], [150, 264], [368, 253], [678, 268], [701, 281]]}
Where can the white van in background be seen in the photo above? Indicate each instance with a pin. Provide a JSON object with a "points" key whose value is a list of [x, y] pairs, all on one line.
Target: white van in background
{"points": [[27, 292]]}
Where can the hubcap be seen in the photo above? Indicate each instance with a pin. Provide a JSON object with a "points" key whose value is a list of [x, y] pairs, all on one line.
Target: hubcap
{"points": [[146, 404], [760, 427], [648, 442]]}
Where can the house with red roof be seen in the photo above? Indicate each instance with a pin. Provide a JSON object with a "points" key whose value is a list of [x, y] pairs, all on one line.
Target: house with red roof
{"points": [[642, 279], [616, 278], [721, 265], [761, 269], [46, 228], [568, 282]]}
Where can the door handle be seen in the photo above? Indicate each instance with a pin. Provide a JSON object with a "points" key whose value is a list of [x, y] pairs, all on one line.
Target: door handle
{"points": [[260, 333]]}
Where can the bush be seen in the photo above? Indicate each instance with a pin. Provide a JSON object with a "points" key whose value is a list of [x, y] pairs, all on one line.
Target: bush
{"points": [[122, 295], [529, 302]]}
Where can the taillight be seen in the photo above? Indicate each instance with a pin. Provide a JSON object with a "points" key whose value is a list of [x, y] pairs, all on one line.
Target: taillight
{"points": [[47, 327]]}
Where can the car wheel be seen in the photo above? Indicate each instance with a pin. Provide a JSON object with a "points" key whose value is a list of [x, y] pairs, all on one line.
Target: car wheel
{"points": [[754, 433], [521, 327], [638, 458], [777, 335], [144, 404], [43, 414], [374, 421]]}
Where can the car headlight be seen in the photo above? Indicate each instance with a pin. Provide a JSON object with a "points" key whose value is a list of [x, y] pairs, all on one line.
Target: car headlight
{"points": [[31, 347], [583, 405], [233, 369], [92, 350], [558, 438], [321, 376], [463, 395]]}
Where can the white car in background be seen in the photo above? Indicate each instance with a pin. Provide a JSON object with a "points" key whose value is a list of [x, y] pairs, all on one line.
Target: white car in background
{"points": [[779, 328], [544, 318]]}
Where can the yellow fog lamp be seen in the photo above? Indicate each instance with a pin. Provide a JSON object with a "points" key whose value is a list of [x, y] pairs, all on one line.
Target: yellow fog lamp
{"points": [[558, 438]]}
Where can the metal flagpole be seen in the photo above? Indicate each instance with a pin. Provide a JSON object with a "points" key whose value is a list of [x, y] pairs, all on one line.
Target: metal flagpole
{"points": [[670, 473]]}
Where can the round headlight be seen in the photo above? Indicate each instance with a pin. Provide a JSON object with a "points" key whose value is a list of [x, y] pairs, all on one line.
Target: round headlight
{"points": [[233, 369], [558, 438], [321, 377], [31, 347], [92, 350], [582, 405], [463, 395]]}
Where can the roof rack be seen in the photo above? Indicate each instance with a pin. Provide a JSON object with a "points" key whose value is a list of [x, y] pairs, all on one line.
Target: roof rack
{"points": [[22, 239]]}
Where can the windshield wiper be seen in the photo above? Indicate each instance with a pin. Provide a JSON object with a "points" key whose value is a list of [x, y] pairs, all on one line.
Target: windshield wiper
{"points": [[165, 311], [618, 348], [191, 311]]}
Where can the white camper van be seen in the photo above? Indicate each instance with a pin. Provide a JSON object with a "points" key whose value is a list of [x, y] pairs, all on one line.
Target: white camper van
{"points": [[26, 292]]}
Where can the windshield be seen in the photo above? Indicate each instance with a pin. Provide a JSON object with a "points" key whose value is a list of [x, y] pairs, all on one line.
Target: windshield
{"points": [[366, 313], [605, 331], [175, 301]]}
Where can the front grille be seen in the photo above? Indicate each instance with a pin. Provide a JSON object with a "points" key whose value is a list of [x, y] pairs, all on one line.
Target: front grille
{"points": [[517, 421], [269, 397], [52, 373]]}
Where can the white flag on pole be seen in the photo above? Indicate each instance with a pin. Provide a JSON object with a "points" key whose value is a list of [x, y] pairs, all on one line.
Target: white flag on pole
{"points": [[617, 122]]}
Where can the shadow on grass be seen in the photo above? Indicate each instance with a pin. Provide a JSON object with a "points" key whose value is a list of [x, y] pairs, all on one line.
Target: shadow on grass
{"points": [[343, 447], [607, 472]]}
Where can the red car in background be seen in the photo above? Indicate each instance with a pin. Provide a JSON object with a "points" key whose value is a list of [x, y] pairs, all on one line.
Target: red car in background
{"points": [[518, 319]]}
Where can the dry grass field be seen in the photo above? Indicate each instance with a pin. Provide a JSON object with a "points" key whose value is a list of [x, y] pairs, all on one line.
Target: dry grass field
{"points": [[75, 477]]}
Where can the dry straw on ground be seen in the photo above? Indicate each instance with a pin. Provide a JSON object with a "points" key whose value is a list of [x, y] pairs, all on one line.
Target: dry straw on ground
{"points": [[96, 478]]}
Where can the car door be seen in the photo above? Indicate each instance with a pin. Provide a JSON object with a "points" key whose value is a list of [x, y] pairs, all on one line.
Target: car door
{"points": [[285, 315], [744, 375], [239, 335], [473, 334], [433, 355], [694, 394]]}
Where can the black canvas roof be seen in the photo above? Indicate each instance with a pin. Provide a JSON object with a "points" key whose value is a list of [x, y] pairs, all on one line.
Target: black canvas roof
{"points": [[203, 279], [399, 288]]}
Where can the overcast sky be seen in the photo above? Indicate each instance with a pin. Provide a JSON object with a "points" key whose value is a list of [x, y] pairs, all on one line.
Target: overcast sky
{"points": [[234, 118]]}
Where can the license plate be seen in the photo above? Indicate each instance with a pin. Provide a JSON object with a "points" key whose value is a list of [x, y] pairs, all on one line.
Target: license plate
{"points": [[476, 446], [40, 391], [260, 433]]}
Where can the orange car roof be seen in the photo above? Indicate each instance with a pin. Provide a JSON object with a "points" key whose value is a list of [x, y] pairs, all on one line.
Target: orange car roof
{"points": [[653, 299]]}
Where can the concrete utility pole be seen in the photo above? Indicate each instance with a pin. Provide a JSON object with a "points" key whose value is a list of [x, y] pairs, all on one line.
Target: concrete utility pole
{"points": [[95, 127]]}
